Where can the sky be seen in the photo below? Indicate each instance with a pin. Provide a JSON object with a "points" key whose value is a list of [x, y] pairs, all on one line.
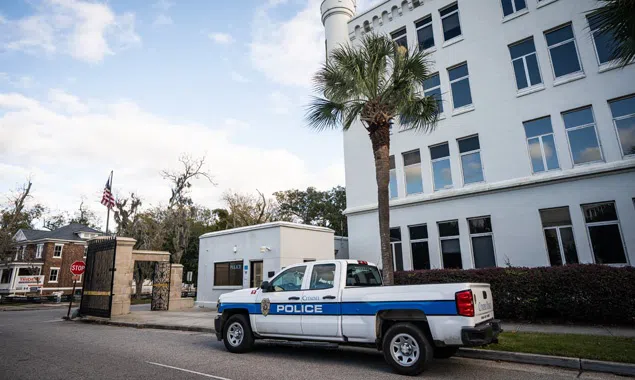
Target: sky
{"points": [[87, 87]]}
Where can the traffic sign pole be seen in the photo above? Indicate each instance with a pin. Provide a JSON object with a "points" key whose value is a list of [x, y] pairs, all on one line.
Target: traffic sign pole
{"points": [[70, 304]]}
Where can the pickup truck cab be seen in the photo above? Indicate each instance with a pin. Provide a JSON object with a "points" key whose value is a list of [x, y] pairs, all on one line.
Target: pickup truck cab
{"points": [[345, 302]]}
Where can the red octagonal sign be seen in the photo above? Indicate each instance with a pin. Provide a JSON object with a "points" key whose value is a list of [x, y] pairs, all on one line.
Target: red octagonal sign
{"points": [[78, 267]]}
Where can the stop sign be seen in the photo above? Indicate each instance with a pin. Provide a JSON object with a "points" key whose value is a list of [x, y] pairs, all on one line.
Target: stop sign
{"points": [[78, 267]]}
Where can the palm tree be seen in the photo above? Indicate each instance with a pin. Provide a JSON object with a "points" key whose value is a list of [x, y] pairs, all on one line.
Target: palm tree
{"points": [[376, 83], [616, 19]]}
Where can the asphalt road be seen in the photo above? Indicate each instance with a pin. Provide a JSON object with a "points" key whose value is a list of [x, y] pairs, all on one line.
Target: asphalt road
{"points": [[38, 344]]}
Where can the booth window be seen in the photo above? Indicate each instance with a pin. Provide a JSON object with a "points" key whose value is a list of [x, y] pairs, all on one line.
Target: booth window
{"points": [[228, 274]]}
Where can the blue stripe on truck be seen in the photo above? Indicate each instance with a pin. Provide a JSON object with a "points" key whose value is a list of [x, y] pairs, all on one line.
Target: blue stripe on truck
{"points": [[347, 308]]}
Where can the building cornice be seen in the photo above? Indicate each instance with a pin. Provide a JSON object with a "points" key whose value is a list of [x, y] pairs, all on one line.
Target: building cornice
{"points": [[507, 185]]}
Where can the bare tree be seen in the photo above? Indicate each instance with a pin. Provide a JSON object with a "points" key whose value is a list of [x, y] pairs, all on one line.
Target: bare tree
{"points": [[248, 210], [129, 225], [181, 208], [85, 216], [54, 221]]}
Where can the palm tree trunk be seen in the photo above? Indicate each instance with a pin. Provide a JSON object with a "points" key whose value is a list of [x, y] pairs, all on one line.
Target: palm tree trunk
{"points": [[380, 138]]}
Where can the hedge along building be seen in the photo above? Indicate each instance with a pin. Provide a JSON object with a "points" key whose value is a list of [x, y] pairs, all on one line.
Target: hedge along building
{"points": [[244, 257], [533, 159]]}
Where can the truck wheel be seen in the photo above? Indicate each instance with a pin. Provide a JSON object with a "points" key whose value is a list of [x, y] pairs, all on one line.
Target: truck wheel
{"points": [[407, 349], [445, 352], [237, 335]]}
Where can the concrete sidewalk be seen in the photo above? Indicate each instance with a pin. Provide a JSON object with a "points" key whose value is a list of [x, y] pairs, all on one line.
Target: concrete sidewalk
{"points": [[627, 332]]}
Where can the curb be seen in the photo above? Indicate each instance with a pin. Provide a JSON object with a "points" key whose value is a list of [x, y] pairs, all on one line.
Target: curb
{"points": [[547, 360], [145, 325]]}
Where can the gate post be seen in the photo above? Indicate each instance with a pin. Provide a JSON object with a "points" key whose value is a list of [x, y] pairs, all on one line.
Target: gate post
{"points": [[122, 279]]}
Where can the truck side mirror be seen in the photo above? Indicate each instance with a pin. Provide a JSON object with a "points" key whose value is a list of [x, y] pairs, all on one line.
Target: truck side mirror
{"points": [[265, 286]]}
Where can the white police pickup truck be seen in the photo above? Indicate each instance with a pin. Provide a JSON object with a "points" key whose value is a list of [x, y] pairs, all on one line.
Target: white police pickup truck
{"points": [[343, 301]]}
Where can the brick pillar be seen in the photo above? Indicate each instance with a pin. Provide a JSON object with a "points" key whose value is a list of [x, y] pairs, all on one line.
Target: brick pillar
{"points": [[176, 280], [123, 276]]}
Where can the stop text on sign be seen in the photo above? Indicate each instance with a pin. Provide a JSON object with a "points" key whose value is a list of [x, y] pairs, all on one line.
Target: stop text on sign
{"points": [[78, 267]]}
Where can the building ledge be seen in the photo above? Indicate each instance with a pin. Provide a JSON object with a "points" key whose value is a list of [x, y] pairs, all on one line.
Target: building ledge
{"points": [[542, 3], [514, 15], [506, 185], [569, 78], [530, 90], [267, 225]]}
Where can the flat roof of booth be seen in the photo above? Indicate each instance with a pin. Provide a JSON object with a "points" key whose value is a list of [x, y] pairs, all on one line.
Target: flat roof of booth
{"points": [[266, 226]]}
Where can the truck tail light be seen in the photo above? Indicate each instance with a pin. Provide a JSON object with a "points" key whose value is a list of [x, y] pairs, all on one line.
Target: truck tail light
{"points": [[465, 303]]}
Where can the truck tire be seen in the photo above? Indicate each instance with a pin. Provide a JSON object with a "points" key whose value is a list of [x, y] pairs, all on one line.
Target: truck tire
{"points": [[237, 334], [445, 352], [407, 349]]}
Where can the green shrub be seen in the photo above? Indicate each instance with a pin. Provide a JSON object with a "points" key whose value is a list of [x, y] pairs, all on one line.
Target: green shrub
{"points": [[595, 294]]}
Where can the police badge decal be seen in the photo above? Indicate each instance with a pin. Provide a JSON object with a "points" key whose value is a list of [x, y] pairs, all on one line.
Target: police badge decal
{"points": [[265, 304]]}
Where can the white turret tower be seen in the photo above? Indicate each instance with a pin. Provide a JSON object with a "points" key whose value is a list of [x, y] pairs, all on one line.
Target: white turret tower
{"points": [[335, 16]]}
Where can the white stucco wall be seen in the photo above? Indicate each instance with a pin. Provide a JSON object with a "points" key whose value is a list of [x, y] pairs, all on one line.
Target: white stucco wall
{"points": [[497, 119]]}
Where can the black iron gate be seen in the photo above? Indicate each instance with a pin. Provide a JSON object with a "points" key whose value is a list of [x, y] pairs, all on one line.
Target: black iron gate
{"points": [[161, 286], [98, 278]]}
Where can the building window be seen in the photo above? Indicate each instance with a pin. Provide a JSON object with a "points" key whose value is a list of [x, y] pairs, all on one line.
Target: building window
{"points": [[57, 251], [563, 51], [623, 111], [513, 6], [395, 246], [432, 87], [85, 251], [604, 232], [482, 238], [425, 35], [393, 179], [228, 274], [541, 145], [23, 252], [558, 229], [603, 41], [582, 135], [419, 246], [400, 37], [525, 63], [6, 275], [412, 172], [450, 22], [53, 274], [460, 85], [470, 150], [450, 244], [38, 251], [440, 155]]}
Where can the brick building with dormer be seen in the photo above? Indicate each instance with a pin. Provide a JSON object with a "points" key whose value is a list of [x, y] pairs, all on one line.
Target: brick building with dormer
{"points": [[42, 260]]}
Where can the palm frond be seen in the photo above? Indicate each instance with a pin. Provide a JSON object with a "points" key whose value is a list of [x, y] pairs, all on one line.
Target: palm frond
{"points": [[420, 113], [616, 19], [324, 114]]}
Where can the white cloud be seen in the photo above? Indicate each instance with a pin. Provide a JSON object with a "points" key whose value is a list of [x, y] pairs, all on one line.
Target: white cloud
{"points": [[237, 77], [162, 19], [71, 142], [279, 103], [221, 38], [87, 31], [20, 81], [290, 51]]}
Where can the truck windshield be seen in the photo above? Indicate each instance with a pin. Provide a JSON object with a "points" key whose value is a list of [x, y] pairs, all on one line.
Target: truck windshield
{"points": [[362, 275]]}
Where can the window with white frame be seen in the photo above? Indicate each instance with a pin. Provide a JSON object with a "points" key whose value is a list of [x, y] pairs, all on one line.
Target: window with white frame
{"points": [[470, 151], [400, 37], [393, 179], [38, 251], [525, 63], [558, 229], [482, 237], [450, 22], [395, 246], [460, 86], [57, 251], [603, 41], [53, 274], [419, 246], [412, 172], [563, 51], [513, 6], [582, 135], [450, 244], [605, 233], [425, 34], [541, 145], [623, 111], [432, 87], [441, 171], [85, 251]]}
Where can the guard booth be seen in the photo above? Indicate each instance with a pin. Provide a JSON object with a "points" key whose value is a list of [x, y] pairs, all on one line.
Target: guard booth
{"points": [[108, 278]]}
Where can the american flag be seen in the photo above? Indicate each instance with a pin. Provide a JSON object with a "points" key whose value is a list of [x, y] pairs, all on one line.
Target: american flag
{"points": [[107, 198]]}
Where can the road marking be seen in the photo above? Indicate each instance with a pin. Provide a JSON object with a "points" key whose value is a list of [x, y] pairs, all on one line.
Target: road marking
{"points": [[190, 371]]}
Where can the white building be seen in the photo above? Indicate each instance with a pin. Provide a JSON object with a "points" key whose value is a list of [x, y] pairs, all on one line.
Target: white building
{"points": [[244, 257], [533, 160]]}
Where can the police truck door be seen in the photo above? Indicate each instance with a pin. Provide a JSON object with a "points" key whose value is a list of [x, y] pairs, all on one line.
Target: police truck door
{"points": [[281, 307], [321, 301]]}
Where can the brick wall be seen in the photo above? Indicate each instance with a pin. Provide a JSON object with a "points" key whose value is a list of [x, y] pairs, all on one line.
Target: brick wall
{"points": [[70, 252]]}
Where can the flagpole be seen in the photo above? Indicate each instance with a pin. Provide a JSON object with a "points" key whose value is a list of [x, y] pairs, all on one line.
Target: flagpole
{"points": [[108, 208]]}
